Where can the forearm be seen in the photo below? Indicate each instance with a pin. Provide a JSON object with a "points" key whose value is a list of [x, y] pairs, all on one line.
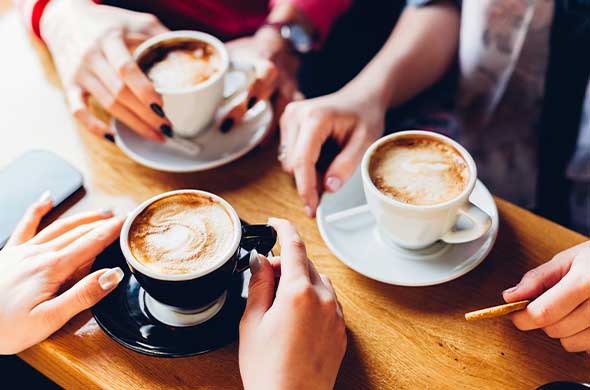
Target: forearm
{"points": [[419, 51]]}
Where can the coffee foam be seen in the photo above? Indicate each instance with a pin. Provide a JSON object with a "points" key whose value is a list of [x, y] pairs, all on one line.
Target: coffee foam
{"points": [[182, 234], [184, 67], [419, 170]]}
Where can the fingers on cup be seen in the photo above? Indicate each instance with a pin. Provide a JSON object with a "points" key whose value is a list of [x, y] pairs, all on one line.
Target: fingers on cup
{"points": [[94, 86], [294, 263], [29, 223], [117, 54]]}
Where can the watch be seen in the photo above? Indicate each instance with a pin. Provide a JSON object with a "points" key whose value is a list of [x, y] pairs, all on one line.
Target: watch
{"points": [[298, 36]]}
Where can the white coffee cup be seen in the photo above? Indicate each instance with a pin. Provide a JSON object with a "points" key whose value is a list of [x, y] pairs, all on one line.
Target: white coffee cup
{"points": [[418, 226], [192, 109]]}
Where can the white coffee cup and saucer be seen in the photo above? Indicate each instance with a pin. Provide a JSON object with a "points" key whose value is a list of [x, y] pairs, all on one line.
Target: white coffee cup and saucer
{"points": [[408, 244], [196, 111]]}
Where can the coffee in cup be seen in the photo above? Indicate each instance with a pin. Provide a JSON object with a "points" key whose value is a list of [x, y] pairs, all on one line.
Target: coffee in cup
{"points": [[418, 170], [180, 63], [188, 68], [417, 185], [185, 248], [182, 234]]}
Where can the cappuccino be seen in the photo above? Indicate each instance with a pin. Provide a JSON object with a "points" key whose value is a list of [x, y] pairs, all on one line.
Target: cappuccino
{"points": [[178, 63], [182, 234], [418, 170]]}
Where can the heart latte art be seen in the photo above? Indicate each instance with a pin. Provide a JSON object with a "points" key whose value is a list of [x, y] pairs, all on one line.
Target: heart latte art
{"points": [[182, 234]]}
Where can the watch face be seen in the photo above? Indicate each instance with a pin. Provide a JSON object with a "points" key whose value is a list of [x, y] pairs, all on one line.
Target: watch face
{"points": [[299, 38]]}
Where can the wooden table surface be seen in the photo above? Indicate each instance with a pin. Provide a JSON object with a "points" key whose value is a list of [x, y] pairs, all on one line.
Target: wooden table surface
{"points": [[398, 337]]}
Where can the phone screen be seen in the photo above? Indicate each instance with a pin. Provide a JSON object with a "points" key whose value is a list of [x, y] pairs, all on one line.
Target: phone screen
{"points": [[26, 178]]}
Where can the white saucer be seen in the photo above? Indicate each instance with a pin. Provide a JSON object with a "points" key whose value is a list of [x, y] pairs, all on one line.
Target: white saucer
{"points": [[214, 147], [357, 243]]}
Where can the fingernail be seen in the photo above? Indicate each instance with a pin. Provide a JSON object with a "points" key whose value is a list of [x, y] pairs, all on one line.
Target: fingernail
{"points": [[254, 261], [309, 211], [111, 278], [333, 183], [45, 197], [510, 290], [166, 130], [107, 212], [226, 125], [157, 109], [252, 101], [109, 137]]}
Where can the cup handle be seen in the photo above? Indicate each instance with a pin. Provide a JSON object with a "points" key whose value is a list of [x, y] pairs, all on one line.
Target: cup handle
{"points": [[248, 72], [480, 224], [259, 237]]}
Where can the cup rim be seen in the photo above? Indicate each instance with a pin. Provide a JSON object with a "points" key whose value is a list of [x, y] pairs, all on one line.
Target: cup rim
{"points": [[135, 264], [464, 153], [196, 35]]}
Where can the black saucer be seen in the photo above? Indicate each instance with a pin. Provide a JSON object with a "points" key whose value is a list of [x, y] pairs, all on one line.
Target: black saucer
{"points": [[122, 316]]}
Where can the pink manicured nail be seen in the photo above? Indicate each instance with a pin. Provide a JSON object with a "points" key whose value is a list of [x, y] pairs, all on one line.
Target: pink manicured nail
{"points": [[309, 211], [255, 263], [333, 183], [510, 290], [111, 278], [45, 197]]}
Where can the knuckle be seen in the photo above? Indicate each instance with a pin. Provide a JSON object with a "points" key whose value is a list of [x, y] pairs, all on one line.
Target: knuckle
{"points": [[85, 298], [126, 68], [567, 345], [531, 275], [304, 294], [541, 316], [329, 305], [551, 331], [297, 243]]}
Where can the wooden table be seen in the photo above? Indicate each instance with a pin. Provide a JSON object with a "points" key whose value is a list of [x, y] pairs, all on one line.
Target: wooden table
{"points": [[398, 337]]}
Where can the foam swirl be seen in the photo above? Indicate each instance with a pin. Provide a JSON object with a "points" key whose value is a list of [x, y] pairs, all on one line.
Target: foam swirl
{"points": [[183, 233], [419, 170]]}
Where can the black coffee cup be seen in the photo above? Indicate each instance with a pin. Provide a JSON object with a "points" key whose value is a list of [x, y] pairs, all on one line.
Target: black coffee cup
{"points": [[197, 290]]}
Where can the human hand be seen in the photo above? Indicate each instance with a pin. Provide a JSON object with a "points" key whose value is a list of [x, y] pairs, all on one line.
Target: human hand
{"points": [[35, 267], [90, 45], [350, 118], [295, 339], [276, 73], [561, 292]]}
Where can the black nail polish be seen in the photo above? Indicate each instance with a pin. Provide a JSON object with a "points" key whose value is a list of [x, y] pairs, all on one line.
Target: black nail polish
{"points": [[252, 101], [157, 109], [109, 137], [166, 130], [226, 125]]}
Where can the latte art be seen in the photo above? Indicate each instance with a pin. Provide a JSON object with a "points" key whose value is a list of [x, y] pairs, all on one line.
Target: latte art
{"points": [[419, 171], [181, 234], [178, 64]]}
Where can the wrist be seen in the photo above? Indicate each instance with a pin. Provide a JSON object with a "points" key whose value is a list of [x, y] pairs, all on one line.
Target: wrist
{"points": [[271, 40], [373, 94]]}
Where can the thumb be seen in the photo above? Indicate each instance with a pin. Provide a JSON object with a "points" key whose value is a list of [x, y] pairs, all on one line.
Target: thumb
{"points": [[346, 161], [261, 287], [540, 279], [83, 295]]}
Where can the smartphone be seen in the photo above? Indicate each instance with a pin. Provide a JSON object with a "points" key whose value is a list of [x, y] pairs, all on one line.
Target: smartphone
{"points": [[24, 180]]}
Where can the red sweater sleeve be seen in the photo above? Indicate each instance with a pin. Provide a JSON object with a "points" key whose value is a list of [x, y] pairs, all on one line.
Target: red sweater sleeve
{"points": [[31, 11], [322, 13]]}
